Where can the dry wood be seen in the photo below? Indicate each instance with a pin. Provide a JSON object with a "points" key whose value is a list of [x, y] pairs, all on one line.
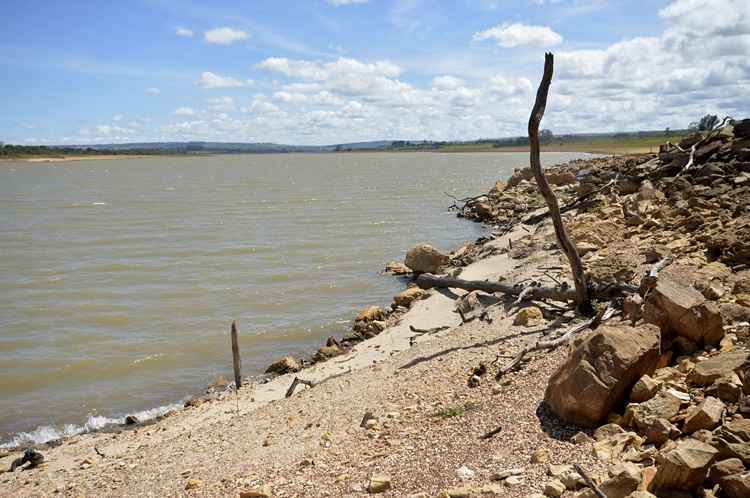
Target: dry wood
{"points": [[492, 433], [578, 201], [589, 481], [295, 383], [553, 343], [582, 299], [604, 291], [236, 357]]}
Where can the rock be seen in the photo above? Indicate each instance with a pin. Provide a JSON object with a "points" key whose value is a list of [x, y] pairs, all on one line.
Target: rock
{"points": [[664, 405], [327, 352], [737, 485], [285, 365], [484, 210], [520, 175], [513, 481], [504, 474], [581, 438], [131, 420], [641, 494], [708, 371], [586, 247], [727, 388], [683, 311], [396, 268], [720, 470], [560, 177], [193, 484], [733, 312], [464, 473], [685, 466], [659, 431], [707, 415], [644, 389], [625, 478], [607, 431], [472, 491], [540, 456], [529, 316], [264, 492], [558, 470], [379, 483], [369, 314], [632, 307], [554, 488], [407, 297], [599, 373], [425, 259]]}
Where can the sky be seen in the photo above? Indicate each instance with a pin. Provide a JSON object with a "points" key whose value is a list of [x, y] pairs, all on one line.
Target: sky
{"points": [[337, 71]]}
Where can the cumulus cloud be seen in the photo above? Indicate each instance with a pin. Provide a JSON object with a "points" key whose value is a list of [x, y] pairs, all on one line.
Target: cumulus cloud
{"points": [[697, 64], [213, 80], [225, 36], [520, 34], [184, 111], [187, 33], [221, 104]]}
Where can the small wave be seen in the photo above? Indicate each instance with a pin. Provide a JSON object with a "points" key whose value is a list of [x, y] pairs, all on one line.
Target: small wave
{"points": [[48, 433], [100, 203], [149, 357]]}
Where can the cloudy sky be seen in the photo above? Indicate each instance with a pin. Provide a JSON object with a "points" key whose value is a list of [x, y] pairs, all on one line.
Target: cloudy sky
{"points": [[333, 71]]}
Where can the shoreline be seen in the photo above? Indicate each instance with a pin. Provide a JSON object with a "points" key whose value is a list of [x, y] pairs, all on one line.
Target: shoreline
{"points": [[410, 406]]}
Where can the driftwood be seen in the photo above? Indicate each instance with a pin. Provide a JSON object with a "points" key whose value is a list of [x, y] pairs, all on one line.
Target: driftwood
{"points": [[563, 292], [295, 383], [540, 345], [582, 298], [492, 433], [589, 481]]}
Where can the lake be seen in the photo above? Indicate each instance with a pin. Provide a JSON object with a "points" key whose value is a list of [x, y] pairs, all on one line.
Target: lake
{"points": [[119, 279]]}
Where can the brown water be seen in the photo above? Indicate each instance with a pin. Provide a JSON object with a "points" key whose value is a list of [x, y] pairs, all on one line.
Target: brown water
{"points": [[119, 279]]}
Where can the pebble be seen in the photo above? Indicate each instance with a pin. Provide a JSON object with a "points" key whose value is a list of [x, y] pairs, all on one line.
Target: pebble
{"points": [[379, 483], [540, 456], [193, 484], [464, 472]]}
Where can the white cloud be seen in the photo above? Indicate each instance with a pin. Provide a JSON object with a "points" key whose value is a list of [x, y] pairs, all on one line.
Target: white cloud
{"points": [[225, 36], [338, 3], [520, 34], [221, 104], [213, 80], [188, 33], [118, 117], [153, 91], [447, 82], [184, 111]]}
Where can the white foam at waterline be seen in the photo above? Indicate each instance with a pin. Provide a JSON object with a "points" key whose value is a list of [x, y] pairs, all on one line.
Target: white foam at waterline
{"points": [[47, 433]]}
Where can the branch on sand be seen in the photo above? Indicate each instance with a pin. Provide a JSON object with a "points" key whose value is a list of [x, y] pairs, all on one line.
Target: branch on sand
{"points": [[593, 323], [582, 298], [603, 291]]}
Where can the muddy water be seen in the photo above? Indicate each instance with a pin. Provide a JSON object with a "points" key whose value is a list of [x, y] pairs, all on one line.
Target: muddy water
{"points": [[119, 279]]}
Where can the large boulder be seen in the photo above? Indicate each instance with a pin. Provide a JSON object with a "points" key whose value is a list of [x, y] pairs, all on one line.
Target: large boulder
{"points": [[683, 311], [369, 314], [706, 415], [424, 258], [407, 297], [520, 175], [599, 373], [685, 466]]}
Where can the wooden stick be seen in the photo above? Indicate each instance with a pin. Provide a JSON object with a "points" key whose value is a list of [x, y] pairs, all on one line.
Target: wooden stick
{"points": [[593, 323], [590, 482], [492, 433], [236, 357], [295, 383], [582, 299]]}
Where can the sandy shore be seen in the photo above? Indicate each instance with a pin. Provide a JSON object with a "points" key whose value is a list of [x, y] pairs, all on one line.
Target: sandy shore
{"points": [[312, 444]]}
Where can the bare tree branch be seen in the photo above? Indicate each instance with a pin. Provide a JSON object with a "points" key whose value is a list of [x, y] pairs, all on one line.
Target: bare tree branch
{"points": [[583, 301]]}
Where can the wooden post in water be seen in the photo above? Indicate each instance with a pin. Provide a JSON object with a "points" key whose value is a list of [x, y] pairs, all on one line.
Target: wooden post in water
{"points": [[236, 357]]}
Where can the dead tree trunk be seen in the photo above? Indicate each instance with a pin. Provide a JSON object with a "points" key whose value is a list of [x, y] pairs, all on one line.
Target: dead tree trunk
{"points": [[583, 301]]}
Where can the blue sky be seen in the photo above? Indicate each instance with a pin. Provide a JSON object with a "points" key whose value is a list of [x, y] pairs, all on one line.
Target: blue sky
{"points": [[331, 71]]}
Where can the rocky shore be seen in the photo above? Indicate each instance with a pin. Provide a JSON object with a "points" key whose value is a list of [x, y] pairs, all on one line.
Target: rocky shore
{"points": [[416, 401]]}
